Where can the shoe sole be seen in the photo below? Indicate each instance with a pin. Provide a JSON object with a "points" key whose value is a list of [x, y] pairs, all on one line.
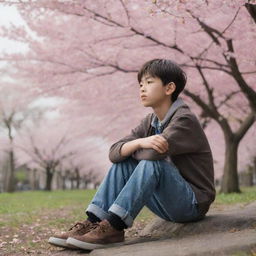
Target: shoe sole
{"points": [[60, 243], [89, 246]]}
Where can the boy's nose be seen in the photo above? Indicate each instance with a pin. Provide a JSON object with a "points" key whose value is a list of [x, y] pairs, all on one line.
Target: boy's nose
{"points": [[142, 88]]}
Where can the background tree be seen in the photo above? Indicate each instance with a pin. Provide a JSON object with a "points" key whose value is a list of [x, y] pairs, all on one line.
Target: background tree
{"points": [[46, 151], [14, 112]]}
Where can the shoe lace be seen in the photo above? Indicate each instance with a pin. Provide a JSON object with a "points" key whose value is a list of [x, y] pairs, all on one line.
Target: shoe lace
{"points": [[79, 225]]}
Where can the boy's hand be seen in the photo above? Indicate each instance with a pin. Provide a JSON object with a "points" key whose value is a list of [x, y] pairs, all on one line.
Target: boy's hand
{"points": [[156, 142]]}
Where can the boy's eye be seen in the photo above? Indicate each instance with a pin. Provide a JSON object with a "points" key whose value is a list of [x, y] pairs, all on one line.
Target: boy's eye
{"points": [[149, 81]]}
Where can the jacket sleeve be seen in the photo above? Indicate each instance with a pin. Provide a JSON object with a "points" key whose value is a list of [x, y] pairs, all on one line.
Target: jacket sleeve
{"points": [[183, 134], [136, 133]]}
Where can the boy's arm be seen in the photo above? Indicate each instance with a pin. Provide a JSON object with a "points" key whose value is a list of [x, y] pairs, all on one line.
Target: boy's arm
{"points": [[136, 141], [184, 135], [155, 142], [115, 155]]}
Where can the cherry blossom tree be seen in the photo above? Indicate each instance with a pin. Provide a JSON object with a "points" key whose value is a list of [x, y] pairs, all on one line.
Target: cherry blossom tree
{"points": [[14, 112], [44, 150], [90, 51], [53, 147]]}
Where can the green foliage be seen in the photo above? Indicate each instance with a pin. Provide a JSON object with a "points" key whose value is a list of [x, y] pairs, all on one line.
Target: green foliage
{"points": [[21, 175]]}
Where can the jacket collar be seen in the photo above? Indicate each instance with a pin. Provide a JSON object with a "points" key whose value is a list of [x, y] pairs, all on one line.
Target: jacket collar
{"points": [[175, 105]]}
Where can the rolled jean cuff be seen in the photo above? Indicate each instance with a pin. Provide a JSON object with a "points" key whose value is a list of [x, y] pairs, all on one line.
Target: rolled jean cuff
{"points": [[96, 210], [122, 213]]}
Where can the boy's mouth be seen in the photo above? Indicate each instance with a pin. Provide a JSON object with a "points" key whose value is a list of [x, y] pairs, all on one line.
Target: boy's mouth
{"points": [[143, 97]]}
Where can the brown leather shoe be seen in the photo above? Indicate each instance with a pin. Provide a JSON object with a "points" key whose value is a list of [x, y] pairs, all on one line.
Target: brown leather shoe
{"points": [[101, 236], [79, 229]]}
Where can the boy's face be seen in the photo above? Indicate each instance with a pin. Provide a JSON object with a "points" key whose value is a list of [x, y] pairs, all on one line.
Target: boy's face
{"points": [[152, 91]]}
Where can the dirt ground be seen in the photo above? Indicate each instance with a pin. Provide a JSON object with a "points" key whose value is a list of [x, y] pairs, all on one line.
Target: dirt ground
{"points": [[28, 239]]}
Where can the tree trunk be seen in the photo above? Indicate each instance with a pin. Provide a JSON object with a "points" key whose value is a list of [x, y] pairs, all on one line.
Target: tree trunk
{"points": [[49, 176], [254, 167], [72, 183], [10, 183], [77, 183], [63, 182], [5, 171], [77, 178], [85, 184], [230, 182]]}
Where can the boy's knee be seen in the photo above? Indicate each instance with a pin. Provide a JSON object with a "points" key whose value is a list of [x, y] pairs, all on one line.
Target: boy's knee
{"points": [[153, 163], [149, 165], [129, 161], [148, 162], [159, 167], [125, 167]]}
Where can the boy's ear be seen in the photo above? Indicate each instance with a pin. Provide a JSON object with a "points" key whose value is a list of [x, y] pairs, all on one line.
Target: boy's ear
{"points": [[170, 88]]}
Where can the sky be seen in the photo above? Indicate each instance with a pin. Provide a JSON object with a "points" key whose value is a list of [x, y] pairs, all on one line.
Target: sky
{"points": [[8, 16]]}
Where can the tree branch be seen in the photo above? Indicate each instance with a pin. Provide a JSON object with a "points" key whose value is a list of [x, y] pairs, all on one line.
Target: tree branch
{"points": [[209, 111], [126, 12], [112, 22], [251, 8], [248, 91], [247, 123], [227, 98], [207, 67]]}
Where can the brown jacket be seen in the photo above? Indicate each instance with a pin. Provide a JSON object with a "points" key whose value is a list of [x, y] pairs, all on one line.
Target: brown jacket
{"points": [[189, 150]]}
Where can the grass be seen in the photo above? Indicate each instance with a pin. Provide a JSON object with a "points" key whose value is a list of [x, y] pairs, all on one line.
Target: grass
{"points": [[26, 206], [248, 195], [250, 252], [34, 200]]}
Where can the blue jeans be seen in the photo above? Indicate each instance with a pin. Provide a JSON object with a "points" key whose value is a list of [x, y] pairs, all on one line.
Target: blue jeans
{"points": [[131, 184]]}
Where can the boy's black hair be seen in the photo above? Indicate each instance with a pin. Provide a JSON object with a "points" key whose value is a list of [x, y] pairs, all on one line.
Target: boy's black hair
{"points": [[168, 71]]}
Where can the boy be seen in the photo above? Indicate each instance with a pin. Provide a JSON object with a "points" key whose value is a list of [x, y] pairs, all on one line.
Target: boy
{"points": [[165, 164]]}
